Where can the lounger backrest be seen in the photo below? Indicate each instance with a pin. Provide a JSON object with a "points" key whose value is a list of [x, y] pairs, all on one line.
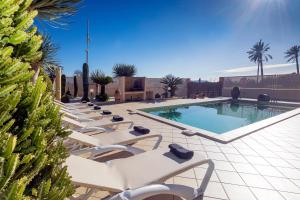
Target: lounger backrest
{"points": [[84, 139], [72, 122], [93, 174]]}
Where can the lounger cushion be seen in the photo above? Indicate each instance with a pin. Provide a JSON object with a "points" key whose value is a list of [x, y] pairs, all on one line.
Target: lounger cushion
{"points": [[106, 112], [118, 118], [141, 129], [90, 104], [97, 107], [180, 151]]}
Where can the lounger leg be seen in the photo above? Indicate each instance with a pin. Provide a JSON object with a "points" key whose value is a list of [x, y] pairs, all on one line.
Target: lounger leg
{"points": [[207, 176], [86, 195], [185, 192], [158, 142]]}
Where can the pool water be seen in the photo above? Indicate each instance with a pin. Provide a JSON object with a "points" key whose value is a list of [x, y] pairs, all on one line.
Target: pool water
{"points": [[218, 117]]}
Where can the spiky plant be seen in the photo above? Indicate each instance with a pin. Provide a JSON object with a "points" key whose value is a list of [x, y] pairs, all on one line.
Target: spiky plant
{"points": [[31, 135], [124, 70], [258, 54], [171, 82], [75, 86], [85, 82], [63, 84], [292, 55], [100, 78]]}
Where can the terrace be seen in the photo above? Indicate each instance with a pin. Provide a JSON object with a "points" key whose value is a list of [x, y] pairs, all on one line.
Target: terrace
{"points": [[262, 165], [142, 131]]}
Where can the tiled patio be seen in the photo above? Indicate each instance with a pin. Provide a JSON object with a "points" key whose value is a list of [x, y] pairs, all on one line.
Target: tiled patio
{"points": [[264, 165]]}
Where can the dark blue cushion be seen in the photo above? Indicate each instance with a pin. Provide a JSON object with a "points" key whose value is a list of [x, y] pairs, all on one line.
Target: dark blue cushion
{"points": [[97, 108], [180, 151], [141, 129], [118, 118], [106, 112]]}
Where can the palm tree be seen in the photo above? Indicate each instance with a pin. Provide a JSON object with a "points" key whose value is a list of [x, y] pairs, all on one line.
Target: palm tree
{"points": [[258, 54], [171, 83], [292, 55], [124, 70], [100, 78], [48, 60], [54, 11]]}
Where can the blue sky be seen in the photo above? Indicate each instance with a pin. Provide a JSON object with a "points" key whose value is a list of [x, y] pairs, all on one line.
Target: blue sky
{"points": [[188, 38]]}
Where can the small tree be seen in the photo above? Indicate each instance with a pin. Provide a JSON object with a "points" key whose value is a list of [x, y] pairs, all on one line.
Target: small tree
{"points": [[100, 78], [124, 70], [293, 56], [75, 86], [171, 82]]}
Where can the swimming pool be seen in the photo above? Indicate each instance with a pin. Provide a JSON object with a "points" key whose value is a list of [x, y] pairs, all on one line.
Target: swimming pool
{"points": [[218, 117]]}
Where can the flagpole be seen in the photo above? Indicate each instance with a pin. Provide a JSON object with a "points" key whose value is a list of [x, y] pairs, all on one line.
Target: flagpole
{"points": [[87, 41]]}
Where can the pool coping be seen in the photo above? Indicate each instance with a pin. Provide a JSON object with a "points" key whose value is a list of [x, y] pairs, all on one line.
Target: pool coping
{"points": [[227, 136]]}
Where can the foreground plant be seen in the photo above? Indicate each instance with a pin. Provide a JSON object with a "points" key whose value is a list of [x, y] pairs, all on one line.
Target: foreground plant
{"points": [[31, 148]]}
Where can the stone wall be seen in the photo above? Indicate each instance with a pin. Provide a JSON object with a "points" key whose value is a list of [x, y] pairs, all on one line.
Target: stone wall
{"points": [[152, 85], [285, 87]]}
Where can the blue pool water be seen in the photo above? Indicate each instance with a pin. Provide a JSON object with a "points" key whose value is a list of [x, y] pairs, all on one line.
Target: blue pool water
{"points": [[218, 117]]}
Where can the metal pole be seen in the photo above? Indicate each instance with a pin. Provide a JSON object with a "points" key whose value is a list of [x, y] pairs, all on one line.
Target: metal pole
{"points": [[87, 41]]}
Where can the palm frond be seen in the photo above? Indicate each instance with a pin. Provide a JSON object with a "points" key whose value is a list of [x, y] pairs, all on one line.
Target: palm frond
{"points": [[55, 12], [124, 70], [100, 78]]}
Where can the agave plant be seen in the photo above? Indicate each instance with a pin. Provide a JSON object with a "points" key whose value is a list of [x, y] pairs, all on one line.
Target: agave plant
{"points": [[100, 78], [55, 12], [48, 59], [171, 82], [258, 54], [293, 56], [124, 70]]}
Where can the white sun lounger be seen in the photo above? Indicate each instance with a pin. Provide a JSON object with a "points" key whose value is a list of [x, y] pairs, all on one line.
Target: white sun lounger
{"points": [[137, 177], [93, 126], [79, 143]]}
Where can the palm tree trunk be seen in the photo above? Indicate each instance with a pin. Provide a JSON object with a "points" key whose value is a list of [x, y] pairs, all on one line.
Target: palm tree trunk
{"points": [[257, 73], [36, 73], [262, 71], [102, 92], [297, 64], [96, 89]]}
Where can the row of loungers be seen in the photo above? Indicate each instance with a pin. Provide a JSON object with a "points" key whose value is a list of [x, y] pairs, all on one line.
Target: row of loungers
{"points": [[135, 177]]}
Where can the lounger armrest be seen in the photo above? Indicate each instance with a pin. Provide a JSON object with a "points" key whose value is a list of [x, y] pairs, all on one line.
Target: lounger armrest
{"points": [[156, 189], [96, 151], [96, 128], [99, 150]]}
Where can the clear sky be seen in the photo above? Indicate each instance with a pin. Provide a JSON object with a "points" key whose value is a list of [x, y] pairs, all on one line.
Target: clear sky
{"points": [[188, 38]]}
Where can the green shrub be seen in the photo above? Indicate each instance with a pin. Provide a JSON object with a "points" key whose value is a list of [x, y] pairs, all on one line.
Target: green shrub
{"points": [[31, 135], [102, 97], [65, 99], [235, 93]]}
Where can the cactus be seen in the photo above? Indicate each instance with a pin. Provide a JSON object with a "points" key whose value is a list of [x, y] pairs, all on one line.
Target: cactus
{"points": [[31, 135], [75, 86], [85, 82], [63, 84]]}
